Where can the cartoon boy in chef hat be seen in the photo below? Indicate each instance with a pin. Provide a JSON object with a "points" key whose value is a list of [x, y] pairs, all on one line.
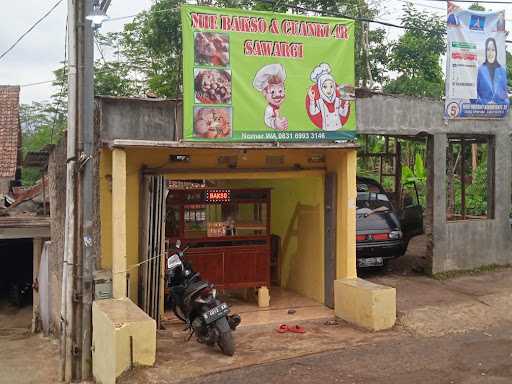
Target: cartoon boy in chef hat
{"points": [[269, 80], [325, 108]]}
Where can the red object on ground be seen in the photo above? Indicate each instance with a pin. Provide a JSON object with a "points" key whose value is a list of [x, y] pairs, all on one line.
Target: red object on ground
{"points": [[283, 328], [296, 329]]}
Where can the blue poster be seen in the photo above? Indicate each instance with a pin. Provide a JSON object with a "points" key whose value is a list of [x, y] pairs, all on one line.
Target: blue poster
{"points": [[476, 73]]}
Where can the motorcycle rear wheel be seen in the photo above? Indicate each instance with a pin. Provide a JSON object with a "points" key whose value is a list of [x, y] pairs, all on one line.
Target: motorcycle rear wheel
{"points": [[227, 343]]}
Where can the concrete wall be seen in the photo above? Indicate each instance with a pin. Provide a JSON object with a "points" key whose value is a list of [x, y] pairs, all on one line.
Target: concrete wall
{"points": [[455, 245], [138, 119], [115, 323], [57, 196]]}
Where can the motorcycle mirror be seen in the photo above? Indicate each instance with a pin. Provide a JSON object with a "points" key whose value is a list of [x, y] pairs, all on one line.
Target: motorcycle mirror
{"points": [[178, 244]]}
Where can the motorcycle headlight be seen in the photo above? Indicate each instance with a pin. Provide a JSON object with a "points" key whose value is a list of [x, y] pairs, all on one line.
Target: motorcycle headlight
{"points": [[395, 235]]}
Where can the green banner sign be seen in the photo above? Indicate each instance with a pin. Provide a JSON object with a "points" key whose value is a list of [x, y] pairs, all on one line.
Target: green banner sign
{"points": [[262, 76]]}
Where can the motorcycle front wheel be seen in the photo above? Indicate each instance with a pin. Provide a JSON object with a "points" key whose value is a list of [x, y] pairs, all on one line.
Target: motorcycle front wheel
{"points": [[227, 343]]}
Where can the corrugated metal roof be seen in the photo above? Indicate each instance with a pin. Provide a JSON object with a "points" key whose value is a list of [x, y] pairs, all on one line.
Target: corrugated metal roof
{"points": [[10, 131]]}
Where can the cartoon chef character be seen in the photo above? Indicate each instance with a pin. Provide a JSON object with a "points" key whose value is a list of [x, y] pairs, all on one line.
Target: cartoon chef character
{"points": [[269, 80], [324, 101]]}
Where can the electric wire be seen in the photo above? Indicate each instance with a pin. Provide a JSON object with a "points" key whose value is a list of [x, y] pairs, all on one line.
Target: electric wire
{"points": [[36, 83], [64, 74], [322, 12], [30, 30], [472, 1], [100, 50]]}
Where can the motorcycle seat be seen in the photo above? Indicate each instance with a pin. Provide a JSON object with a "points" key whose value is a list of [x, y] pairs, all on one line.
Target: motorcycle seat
{"points": [[194, 288]]}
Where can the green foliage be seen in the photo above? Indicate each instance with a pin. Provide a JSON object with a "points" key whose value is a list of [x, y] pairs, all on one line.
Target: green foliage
{"points": [[415, 86], [476, 192], [41, 124], [415, 179], [509, 69], [149, 48], [416, 56], [417, 176], [476, 7]]}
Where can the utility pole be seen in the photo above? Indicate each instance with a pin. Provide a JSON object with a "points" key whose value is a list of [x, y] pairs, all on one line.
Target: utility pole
{"points": [[68, 269], [86, 147], [79, 257]]}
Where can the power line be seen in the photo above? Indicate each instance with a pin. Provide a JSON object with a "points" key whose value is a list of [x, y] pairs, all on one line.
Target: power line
{"points": [[30, 29], [423, 5], [64, 74], [473, 1], [100, 50], [36, 83], [364, 19], [305, 9]]}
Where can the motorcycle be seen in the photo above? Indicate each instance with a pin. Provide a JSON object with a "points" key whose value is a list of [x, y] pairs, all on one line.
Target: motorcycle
{"points": [[194, 301]]}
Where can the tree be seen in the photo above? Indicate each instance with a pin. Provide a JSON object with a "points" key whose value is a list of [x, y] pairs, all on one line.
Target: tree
{"points": [[149, 48], [416, 56], [42, 123]]}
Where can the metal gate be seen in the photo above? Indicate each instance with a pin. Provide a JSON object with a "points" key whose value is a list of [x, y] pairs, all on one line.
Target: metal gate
{"points": [[152, 255]]}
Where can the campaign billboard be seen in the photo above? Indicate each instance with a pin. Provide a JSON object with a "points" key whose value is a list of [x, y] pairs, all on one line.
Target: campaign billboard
{"points": [[476, 73], [264, 76]]}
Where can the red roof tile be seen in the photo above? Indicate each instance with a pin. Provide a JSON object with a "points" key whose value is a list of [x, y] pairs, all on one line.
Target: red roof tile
{"points": [[10, 131]]}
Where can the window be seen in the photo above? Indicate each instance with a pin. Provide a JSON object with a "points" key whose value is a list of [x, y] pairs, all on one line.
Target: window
{"points": [[470, 178]]}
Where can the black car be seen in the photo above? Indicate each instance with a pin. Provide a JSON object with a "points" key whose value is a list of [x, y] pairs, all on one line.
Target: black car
{"points": [[382, 231]]}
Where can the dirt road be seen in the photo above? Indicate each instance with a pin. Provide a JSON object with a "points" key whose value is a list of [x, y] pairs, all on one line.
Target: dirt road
{"points": [[444, 330], [472, 358], [25, 358]]}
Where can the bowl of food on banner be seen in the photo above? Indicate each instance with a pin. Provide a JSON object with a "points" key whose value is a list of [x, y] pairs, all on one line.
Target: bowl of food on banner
{"points": [[212, 86], [211, 49], [212, 123]]}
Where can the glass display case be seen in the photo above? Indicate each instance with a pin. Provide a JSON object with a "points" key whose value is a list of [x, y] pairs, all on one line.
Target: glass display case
{"points": [[228, 231]]}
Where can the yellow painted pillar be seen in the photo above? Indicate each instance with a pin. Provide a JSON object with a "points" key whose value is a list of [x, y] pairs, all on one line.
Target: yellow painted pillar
{"points": [[119, 261], [346, 229], [356, 301]]}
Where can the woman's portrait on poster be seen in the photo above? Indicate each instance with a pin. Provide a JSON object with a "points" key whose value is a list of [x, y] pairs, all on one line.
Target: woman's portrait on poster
{"points": [[492, 77]]}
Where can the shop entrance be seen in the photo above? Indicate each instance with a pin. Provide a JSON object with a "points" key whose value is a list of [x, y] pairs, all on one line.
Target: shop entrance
{"points": [[246, 235]]}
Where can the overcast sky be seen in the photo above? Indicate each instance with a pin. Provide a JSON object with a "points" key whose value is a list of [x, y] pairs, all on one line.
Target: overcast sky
{"points": [[40, 52]]}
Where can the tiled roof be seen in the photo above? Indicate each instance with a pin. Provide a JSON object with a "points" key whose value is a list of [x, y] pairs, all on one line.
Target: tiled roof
{"points": [[10, 131]]}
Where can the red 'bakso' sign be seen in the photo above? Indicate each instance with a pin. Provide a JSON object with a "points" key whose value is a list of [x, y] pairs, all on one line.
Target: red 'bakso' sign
{"points": [[218, 195]]}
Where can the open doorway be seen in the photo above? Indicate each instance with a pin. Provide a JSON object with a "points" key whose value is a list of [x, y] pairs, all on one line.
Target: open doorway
{"points": [[394, 170], [246, 234], [16, 256]]}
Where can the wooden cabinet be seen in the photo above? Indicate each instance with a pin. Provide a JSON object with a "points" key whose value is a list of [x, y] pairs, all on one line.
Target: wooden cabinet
{"points": [[228, 232], [233, 266]]}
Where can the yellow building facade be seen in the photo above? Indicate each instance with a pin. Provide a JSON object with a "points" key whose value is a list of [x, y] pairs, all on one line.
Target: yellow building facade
{"points": [[298, 212]]}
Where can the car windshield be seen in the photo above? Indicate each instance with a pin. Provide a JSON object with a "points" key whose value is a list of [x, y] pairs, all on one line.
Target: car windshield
{"points": [[370, 202]]}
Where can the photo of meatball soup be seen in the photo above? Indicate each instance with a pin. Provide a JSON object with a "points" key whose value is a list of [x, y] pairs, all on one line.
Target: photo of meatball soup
{"points": [[211, 49], [212, 86], [212, 123]]}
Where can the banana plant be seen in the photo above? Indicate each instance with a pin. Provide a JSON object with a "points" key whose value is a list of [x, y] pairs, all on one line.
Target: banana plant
{"points": [[417, 176]]}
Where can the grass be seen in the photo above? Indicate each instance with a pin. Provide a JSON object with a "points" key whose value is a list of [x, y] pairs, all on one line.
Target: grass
{"points": [[470, 272]]}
